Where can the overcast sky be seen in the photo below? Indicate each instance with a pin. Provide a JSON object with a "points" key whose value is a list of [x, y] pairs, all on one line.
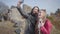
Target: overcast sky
{"points": [[49, 5]]}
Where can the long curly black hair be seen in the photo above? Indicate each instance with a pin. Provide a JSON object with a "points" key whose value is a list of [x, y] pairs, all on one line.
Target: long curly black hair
{"points": [[34, 8]]}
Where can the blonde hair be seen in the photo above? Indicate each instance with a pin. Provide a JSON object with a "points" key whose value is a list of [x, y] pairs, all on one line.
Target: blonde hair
{"points": [[44, 10]]}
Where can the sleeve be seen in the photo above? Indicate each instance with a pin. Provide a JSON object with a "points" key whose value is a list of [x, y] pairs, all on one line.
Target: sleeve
{"points": [[47, 29], [24, 14]]}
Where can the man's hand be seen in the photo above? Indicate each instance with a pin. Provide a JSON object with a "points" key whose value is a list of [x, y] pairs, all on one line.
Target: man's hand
{"points": [[19, 4]]}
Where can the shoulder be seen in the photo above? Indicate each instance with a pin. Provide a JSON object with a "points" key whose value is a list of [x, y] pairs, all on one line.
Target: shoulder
{"points": [[48, 22], [29, 13]]}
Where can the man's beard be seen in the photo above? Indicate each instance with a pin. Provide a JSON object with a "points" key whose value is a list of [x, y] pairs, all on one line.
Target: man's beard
{"points": [[35, 14]]}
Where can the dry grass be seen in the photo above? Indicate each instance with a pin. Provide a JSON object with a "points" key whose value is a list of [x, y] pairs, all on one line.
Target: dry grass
{"points": [[6, 27]]}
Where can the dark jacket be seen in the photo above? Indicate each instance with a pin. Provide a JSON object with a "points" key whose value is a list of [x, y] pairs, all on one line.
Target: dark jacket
{"points": [[30, 27]]}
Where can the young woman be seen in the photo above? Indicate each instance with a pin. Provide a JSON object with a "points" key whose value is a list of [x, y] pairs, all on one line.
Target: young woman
{"points": [[43, 25]]}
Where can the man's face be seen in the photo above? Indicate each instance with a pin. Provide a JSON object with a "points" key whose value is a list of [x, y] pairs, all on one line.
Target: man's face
{"points": [[41, 14], [35, 10]]}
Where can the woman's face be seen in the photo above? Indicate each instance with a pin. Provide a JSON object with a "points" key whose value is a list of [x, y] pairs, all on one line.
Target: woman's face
{"points": [[35, 10], [41, 14]]}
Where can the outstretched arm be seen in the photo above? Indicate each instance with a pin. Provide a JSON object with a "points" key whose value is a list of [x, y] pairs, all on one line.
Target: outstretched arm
{"points": [[24, 14]]}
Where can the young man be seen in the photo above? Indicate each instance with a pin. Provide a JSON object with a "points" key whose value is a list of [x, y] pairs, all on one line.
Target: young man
{"points": [[31, 18]]}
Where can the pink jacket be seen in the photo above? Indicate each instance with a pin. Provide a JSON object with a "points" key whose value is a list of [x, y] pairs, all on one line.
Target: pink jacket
{"points": [[46, 29]]}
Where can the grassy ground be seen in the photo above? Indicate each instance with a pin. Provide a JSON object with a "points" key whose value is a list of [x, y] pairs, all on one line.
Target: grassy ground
{"points": [[6, 27]]}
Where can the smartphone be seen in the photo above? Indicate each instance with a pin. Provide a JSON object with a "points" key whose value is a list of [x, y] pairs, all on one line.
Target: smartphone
{"points": [[21, 1]]}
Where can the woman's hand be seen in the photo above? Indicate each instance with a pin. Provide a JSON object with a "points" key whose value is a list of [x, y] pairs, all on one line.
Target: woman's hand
{"points": [[42, 24]]}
